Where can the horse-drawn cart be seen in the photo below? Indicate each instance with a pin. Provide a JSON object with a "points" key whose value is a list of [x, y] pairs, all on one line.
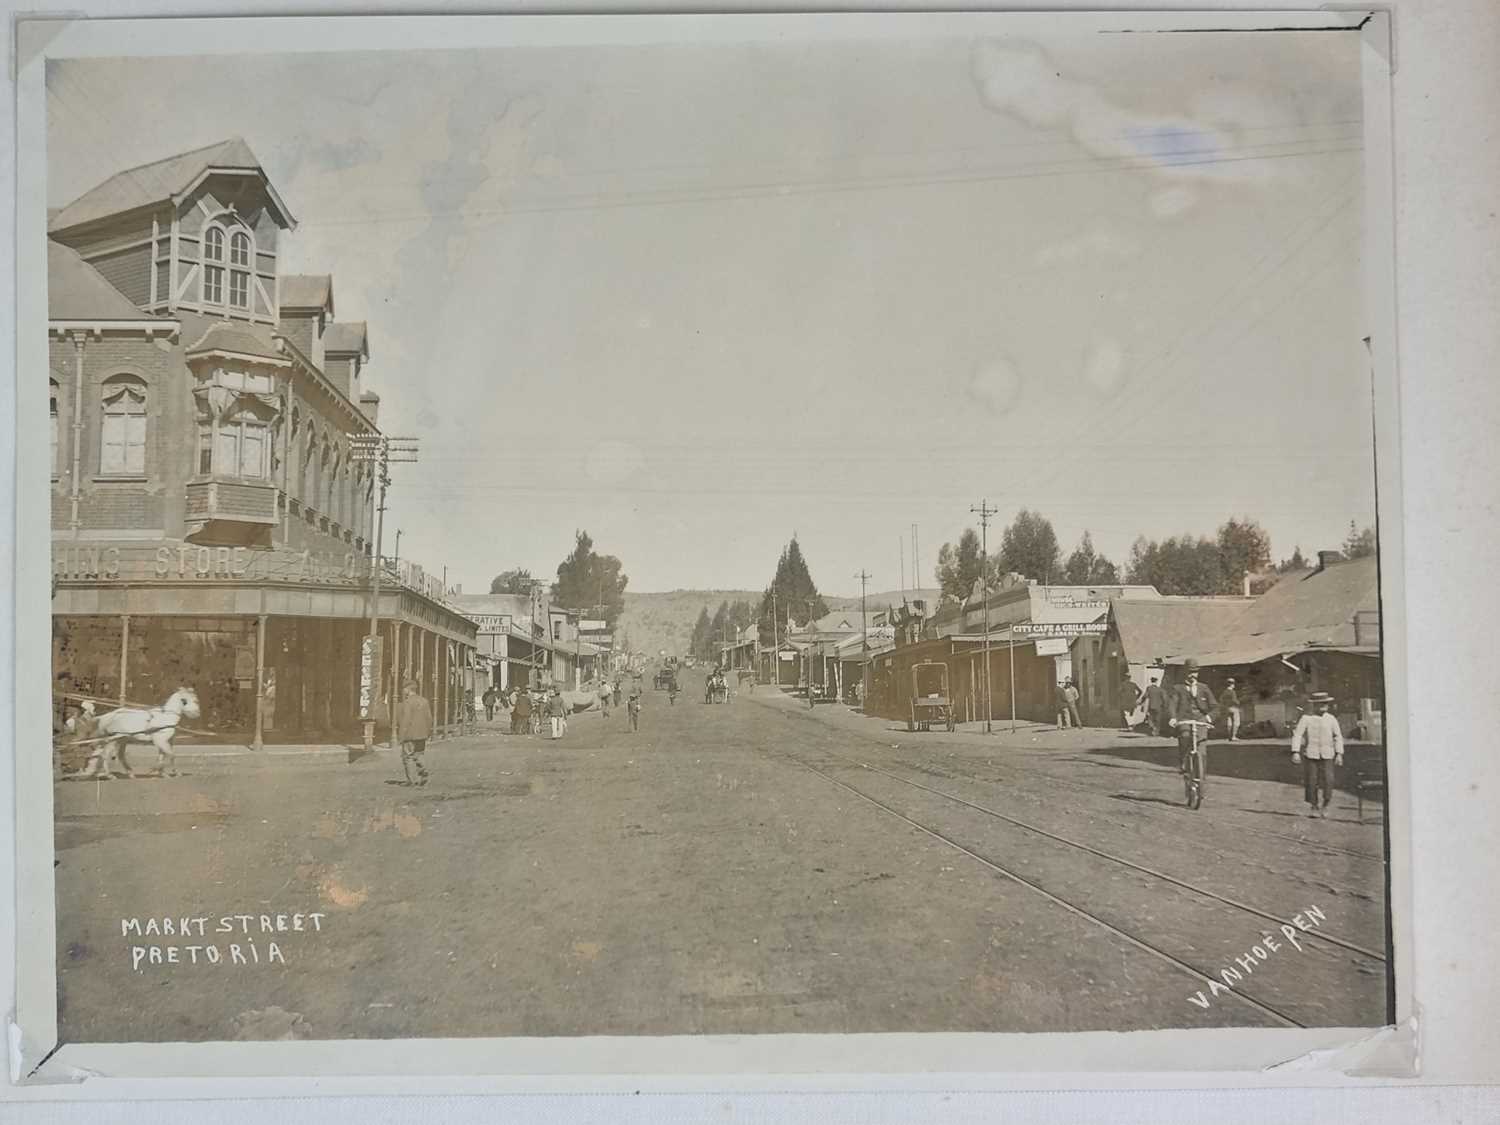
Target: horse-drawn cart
{"points": [[931, 703]]}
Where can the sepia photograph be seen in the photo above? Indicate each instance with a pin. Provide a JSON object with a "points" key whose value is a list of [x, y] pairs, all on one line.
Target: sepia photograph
{"points": [[715, 530]]}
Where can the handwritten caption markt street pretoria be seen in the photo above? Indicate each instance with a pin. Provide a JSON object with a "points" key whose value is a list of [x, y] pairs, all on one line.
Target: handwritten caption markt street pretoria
{"points": [[247, 939]]}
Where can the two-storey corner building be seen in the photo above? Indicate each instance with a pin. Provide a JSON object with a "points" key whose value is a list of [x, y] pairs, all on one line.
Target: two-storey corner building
{"points": [[209, 524]]}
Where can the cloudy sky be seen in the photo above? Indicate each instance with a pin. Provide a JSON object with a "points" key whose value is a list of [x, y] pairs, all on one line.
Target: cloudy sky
{"points": [[695, 298]]}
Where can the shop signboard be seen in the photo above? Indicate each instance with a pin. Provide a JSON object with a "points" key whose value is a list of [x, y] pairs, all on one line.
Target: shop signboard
{"points": [[371, 670], [1060, 629], [1052, 646], [491, 622], [187, 562]]}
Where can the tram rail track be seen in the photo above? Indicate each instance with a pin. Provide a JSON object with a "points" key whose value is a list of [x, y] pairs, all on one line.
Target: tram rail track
{"points": [[1301, 841], [1135, 941], [1266, 915]]}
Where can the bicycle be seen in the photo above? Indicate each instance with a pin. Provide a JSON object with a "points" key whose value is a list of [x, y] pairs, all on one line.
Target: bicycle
{"points": [[1195, 768]]}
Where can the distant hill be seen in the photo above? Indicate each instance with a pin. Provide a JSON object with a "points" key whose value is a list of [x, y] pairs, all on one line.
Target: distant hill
{"points": [[653, 622]]}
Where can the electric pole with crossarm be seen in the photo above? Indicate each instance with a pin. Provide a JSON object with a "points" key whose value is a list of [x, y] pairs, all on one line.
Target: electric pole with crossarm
{"points": [[379, 451], [864, 639], [984, 512]]}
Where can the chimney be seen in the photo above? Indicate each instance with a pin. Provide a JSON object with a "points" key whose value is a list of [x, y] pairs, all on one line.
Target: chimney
{"points": [[344, 347], [1327, 559], [369, 405], [306, 306]]}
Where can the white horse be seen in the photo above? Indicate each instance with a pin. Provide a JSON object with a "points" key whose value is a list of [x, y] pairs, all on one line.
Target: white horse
{"points": [[135, 725]]}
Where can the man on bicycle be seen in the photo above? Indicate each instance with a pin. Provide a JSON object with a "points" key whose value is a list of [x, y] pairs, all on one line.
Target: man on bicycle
{"points": [[1189, 700]]}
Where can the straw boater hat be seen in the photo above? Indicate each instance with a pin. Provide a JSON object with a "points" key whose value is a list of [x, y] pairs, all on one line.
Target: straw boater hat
{"points": [[1320, 697]]}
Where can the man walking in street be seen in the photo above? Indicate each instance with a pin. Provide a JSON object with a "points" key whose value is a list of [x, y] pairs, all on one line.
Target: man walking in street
{"points": [[1062, 707], [604, 697], [1193, 700], [557, 712], [1130, 699], [520, 715], [414, 720], [1324, 741], [489, 704], [1229, 700], [1156, 705]]}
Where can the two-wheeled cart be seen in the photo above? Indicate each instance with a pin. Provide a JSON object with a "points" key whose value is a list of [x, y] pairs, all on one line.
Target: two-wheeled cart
{"points": [[931, 702]]}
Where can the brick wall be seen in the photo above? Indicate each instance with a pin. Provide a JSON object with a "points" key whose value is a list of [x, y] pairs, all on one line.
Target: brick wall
{"points": [[144, 502], [119, 506]]}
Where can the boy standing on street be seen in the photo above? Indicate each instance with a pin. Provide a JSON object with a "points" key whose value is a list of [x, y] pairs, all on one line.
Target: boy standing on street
{"points": [[1229, 700], [634, 705], [414, 720], [1130, 698]]}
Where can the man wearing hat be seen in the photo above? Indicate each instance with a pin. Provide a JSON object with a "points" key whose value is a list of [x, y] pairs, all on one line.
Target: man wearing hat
{"points": [[1324, 742], [1190, 699]]}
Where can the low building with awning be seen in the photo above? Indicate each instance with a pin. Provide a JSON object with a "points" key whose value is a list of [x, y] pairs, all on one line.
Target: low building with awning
{"points": [[1316, 630]]}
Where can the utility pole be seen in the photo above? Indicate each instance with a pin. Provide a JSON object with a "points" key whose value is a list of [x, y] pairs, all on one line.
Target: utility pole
{"points": [[379, 451], [984, 512], [539, 624], [812, 698], [775, 642], [864, 640]]}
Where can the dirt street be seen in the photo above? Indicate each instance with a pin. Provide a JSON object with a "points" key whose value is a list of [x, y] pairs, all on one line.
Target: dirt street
{"points": [[749, 867]]}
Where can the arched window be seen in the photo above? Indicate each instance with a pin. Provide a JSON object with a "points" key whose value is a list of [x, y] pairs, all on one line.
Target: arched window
{"points": [[331, 501], [213, 266], [122, 438], [325, 465], [239, 270], [54, 394]]}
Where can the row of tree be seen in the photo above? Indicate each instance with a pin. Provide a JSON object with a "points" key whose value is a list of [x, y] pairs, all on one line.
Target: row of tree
{"points": [[723, 626], [1185, 564], [586, 581]]}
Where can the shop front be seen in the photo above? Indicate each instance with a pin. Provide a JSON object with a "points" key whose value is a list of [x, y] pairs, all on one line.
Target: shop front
{"points": [[270, 640]]}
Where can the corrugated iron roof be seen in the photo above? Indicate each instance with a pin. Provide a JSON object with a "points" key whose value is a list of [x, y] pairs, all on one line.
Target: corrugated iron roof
{"points": [[77, 291], [1309, 609], [1156, 629], [159, 181]]}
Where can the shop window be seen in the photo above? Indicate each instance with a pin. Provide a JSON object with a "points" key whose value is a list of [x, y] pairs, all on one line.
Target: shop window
{"points": [[123, 432]]}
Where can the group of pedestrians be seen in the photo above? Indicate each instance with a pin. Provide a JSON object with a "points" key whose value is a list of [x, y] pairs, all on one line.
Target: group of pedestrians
{"points": [[1153, 706], [1317, 741]]}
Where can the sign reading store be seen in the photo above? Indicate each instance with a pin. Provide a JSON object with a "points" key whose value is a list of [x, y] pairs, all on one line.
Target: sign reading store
{"points": [[178, 562]]}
